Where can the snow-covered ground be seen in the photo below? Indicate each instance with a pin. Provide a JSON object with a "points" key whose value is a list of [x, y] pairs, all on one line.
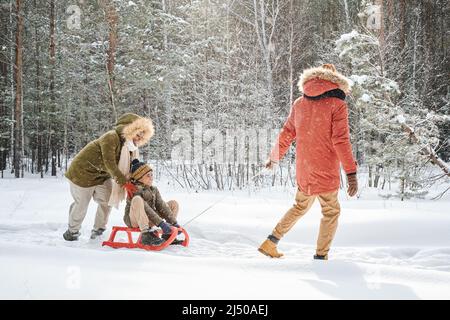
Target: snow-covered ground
{"points": [[383, 249]]}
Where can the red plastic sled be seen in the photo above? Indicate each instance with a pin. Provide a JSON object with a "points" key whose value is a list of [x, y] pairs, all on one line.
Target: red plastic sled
{"points": [[131, 244]]}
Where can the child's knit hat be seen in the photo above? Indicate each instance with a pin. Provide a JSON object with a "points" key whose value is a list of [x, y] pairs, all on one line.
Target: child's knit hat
{"points": [[139, 169]]}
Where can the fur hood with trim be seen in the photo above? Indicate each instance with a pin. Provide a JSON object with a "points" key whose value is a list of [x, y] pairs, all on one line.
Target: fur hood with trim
{"points": [[316, 81], [129, 124]]}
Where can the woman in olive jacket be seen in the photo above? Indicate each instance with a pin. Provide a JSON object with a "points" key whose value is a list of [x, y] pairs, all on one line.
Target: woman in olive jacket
{"points": [[100, 170]]}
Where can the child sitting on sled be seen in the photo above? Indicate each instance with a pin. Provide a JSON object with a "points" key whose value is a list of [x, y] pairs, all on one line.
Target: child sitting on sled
{"points": [[146, 209]]}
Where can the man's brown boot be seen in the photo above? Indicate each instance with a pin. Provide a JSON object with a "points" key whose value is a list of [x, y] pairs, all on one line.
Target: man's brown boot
{"points": [[270, 249]]}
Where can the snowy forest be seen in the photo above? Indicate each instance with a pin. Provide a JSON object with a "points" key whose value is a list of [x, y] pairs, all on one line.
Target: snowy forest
{"points": [[175, 149], [69, 68]]}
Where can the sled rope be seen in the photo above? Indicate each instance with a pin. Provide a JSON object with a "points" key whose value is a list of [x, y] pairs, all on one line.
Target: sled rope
{"points": [[204, 211], [219, 201]]}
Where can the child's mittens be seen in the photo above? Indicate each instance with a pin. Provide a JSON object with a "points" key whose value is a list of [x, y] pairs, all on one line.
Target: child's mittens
{"points": [[166, 228], [176, 225]]}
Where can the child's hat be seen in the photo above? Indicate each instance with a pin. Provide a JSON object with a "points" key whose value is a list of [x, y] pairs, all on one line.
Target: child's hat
{"points": [[139, 169]]}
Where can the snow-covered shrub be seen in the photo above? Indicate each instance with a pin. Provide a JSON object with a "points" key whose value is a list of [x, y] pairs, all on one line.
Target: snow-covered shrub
{"points": [[392, 140]]}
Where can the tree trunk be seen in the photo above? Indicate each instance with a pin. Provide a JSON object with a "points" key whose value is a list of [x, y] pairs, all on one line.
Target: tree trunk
{"points": [[4, 90], [347, 15], [402, 24], [291, 44], [381, 31], [52, 136], [65, 140], [37, 105], [167, 87], [12, 95], [18, 156], [390, 16], [377, 176], [265, 43], [112, 19]]}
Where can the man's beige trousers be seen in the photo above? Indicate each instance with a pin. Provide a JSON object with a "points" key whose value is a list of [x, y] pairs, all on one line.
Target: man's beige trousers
{"points": [[328, 224]]}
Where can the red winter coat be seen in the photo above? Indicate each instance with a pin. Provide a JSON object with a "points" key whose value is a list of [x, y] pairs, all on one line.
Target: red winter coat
{"points": [[319, 126]]}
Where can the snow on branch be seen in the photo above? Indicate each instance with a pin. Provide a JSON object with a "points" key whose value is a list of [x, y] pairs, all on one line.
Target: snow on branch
{"points": [[427, 150]]}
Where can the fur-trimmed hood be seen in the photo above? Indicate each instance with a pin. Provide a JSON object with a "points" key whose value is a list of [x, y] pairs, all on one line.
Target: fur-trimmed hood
{"points": [[129, 124], [316, 81]]}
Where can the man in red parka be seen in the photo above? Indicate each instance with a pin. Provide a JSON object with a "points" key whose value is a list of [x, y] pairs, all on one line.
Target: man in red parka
{"points": [[318, 122]]}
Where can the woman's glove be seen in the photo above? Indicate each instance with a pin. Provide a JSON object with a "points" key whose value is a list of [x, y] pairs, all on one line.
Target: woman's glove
{"points": [[130, 189]]}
